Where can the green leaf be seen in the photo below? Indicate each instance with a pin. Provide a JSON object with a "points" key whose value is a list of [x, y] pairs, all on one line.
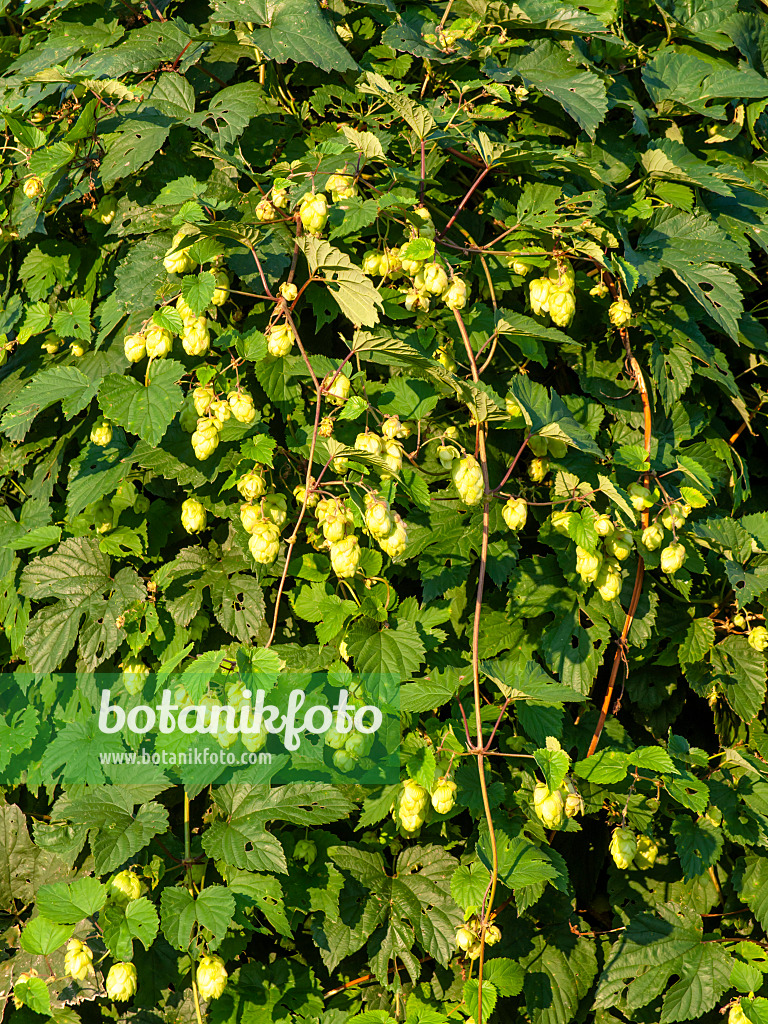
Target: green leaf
{"points": [[144, 410], [353, 292], [135, 145], [180, 911], [68, 904], [198, 290], [398, 652], [43, 936], [699, 639], [33, 992], [122, 924], [64, 384], [507, 976], [698, 844], [471, 994]]}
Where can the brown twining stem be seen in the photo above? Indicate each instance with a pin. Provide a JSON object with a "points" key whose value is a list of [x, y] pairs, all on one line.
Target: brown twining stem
{"points": [[621, 645], [478, 748], [463, 203]]}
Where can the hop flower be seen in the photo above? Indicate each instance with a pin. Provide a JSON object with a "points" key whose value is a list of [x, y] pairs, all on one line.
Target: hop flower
{"points": [[619, 544], [573, 803], [300, 491], [369, 443], [646, 853], [305, 850], [492, 935], [265, 211], [758, 638], [135, 347], [77, 960], [264, 543], [561, 275], [314, 213], [336, 388], [179, 262], [344, 760], [426, 228], [345, 556], [446, 454], [444, 796], [455, 295], [341, 186], [395, 542], [196, 338], [435, 278], [378, 518], [336, 521], [221, 291], [289, 291], [52, 346], [280, 340], [78, 348], [515, 513], [736, 1014], [549, 806], [562, 307], [608, 581], [275, 508], [205, 439], [467, 477], [211, 977], [538, 469], [203, 398], [33, 187], [623, 847], [604, 525], [587, 564], [280, 198], [159, 341], [641, 497], [465, 938], [221, 413], [538, 295], [135, 673], [600, 290], [444, 356], [121, 982], [390, 428], [392, 453], [519, 267], [620, 313], [560, 519], [672, 558], [124, 887], [653, 536], [412, 806], [101, 432], [674, 516], [241, 404], [252, 485], [193, 516]]}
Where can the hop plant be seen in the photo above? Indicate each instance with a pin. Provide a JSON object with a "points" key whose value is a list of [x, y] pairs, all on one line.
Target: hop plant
{"points": [[538, 469], [515, 513], [135, 673], [275, 509], [336, 388], [203, 398], [672, 558], [341, 186], [467, 477], [623, 847], [758, 638], [121, 982], [492, 935], [205, 439], [646, 853], [620, 313], [221, 291], [77, 348], [211, 977], [241, 404], [264, 543], [619, 544], [314, 213], [560, 519], [446, 455], [33, 187], [573, 803], [465, 938], [395, 542], [193, 516], [604, 525], [101, 432], [561, 307], [561, 275], [289, 291], [538, 295], [52, 346], [378, 518], [345, 556], [135, 346], [391, 427], [252, 485], [265, 212], [305, 850], [392, 454], [455, 295], [435, 278], [280, 340], [653, 536], [159, 341], [412, 806], [369, 443], [426, 228], [77, 960], [196, 337], [444, 796], [608, 581], [587, 564], [736, 1014], [641, 497], [124, 887], [180, 262], [221, 412], [549, 806], [674, 516]]}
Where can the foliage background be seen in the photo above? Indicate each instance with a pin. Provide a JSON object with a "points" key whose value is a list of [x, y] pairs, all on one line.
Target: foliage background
{"points": [[629, 139]]}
